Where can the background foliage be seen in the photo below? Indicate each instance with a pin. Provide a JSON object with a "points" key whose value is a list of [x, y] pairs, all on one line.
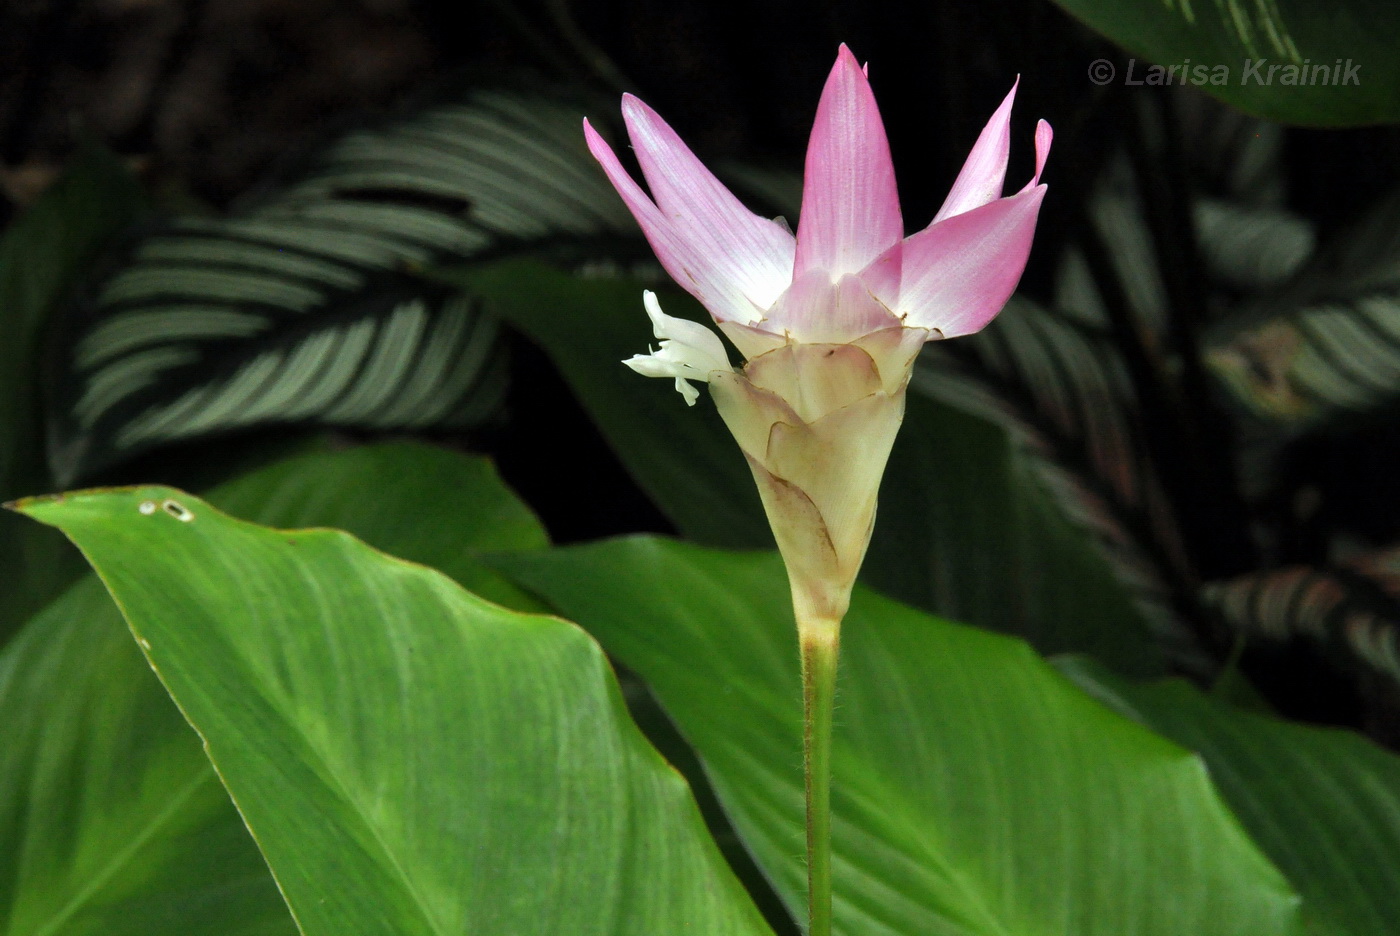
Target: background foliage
{"points": [[349, 265]]}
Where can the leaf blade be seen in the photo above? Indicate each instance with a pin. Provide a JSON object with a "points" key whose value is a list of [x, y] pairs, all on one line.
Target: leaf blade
{"points": [[307, 306], [353, 775], [975, 790], [1323, 803], [84, 712], [1255, 45], [152, 845]]}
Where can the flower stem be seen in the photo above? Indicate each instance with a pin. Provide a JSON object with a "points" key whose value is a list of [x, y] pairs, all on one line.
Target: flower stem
{"points": [[820, 644]]}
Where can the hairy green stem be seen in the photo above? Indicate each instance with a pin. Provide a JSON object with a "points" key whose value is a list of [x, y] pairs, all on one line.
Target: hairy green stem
{"points": [[820, 643]]}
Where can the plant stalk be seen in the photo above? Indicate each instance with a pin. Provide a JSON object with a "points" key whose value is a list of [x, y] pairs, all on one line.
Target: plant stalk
{"points": [[820, 644]]}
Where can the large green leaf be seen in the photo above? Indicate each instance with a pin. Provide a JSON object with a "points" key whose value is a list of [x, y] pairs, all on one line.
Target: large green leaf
{"points": [[968, 525], [1246, 40], [303, 307], [976, 790], [411, 758], [1323, 804], [112, 821], [41, 256], [111, 818]]}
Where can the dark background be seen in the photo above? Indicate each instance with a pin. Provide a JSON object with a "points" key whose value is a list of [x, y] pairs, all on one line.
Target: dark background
{"points": [[210, 100], [210, 94]]}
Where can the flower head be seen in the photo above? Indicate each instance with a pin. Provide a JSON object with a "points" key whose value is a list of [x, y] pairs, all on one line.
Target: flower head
{"points": [[830, 320]]}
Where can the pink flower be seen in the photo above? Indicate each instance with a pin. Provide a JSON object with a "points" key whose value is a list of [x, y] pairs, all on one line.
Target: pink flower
{"points": [[830, 321], [850, 270]]}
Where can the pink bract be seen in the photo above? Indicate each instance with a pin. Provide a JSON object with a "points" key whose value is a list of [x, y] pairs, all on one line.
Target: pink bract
{"points": [[850, 270]]}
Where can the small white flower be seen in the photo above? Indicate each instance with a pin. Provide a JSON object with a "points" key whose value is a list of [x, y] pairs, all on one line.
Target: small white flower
{"points": [[689, 351]]}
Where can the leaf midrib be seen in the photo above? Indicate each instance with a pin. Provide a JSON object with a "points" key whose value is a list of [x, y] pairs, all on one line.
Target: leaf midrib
{"points": [[322, 763], [119, 860]]}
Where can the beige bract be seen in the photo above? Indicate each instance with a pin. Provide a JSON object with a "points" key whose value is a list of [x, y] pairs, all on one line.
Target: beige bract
{"points": [[816, 423]]}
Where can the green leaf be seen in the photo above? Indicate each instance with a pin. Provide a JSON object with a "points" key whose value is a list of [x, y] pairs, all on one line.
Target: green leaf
{"points": [[1323, 804], [682, 456], [411, 759], [1224, 39], [414, 501], [112, 820], [967, 524], [305, 306], [1075, 543], [42, 255], [976, 790]]}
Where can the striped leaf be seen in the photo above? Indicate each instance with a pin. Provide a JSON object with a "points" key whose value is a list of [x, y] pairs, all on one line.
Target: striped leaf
{"points": [[1247, 248], [1353, 609], [1244, 246], [307, 306], [1326, 347], [1061, 392]]}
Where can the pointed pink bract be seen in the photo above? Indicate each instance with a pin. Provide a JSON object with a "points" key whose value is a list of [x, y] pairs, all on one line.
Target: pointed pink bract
{"points": [[756, 251], [848, 272], [1044, 136], [703, 274], [850, 206], [984, 172], [959, 273]]}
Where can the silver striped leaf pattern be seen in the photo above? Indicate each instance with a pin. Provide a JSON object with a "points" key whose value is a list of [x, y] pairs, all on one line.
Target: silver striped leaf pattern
{"points": [[309, 306], [1354, 607], [1325, 348]]}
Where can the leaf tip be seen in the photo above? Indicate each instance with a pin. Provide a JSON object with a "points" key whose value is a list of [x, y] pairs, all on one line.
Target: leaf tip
{"points": [[72, 507], [28, 505]]}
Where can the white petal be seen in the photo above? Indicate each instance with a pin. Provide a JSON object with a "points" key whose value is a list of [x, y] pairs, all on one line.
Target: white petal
{"points": [[689, 351]]}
